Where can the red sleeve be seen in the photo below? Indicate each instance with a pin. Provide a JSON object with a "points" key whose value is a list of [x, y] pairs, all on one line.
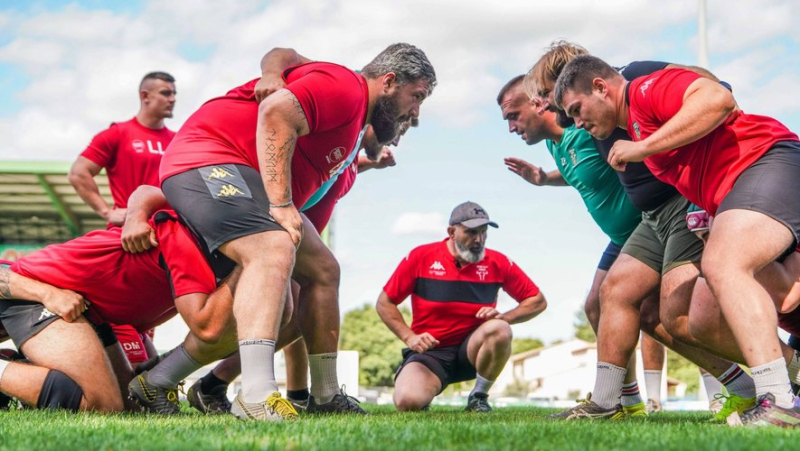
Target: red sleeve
{"points": [[330, 96], [188, 269], [402, 282], [517, 284], [103, 148], [660, 94]]}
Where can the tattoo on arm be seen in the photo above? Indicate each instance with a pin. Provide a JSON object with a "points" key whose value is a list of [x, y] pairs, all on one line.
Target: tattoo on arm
{"points": [[298, 108], [269, 164], [5, 280]]}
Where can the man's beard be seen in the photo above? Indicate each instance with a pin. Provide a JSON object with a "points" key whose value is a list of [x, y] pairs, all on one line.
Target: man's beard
{"points": [[385, 122], [467, 255]]}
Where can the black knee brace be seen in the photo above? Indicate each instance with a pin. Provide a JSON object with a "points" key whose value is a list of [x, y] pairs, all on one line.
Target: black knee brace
{"points": [[59, 391]]}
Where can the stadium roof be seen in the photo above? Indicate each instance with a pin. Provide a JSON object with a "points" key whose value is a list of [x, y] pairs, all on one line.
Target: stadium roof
{"points": [[39, 206]]}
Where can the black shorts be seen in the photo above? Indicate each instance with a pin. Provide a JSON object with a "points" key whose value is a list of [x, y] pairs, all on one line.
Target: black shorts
{"points": [[449, 363], [221, 203], [609, 256], [24, 319], [770, 186]]}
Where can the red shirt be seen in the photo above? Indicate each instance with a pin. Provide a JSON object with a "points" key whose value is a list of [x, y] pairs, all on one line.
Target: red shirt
{"points": [[320, 214], [703, 171], [445, 298], [124, 288], [223, 130], [131, 154]]}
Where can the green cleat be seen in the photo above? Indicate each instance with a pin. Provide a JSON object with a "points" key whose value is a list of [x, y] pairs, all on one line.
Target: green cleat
{"points": [[638, 410], [733, 404]]}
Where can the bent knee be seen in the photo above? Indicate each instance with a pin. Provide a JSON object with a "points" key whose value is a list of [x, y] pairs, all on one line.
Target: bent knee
{"points": [[498, 330], [410, 403]]}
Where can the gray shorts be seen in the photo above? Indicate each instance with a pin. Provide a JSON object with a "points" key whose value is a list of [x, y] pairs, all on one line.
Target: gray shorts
{"points": [[662, 240], [771, 186]]}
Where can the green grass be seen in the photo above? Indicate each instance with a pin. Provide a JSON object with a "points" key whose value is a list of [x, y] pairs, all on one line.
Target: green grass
{"points": [[442, 428]]}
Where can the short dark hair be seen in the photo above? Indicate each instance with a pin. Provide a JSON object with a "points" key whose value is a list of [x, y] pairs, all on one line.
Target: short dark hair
{"points": [[579, 73], [408, 63], [157, 75], [507, 87]]}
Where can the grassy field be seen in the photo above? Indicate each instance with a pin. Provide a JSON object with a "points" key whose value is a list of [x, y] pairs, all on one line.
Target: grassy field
{"points": [[442, 428]]}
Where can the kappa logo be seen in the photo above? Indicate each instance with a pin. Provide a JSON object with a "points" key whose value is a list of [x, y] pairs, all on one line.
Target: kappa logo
{"points": [[46, 314], [482, 272], [229, 190], [437, 268], [636, 130], [335, 155], [646, 85], [218, 173]]}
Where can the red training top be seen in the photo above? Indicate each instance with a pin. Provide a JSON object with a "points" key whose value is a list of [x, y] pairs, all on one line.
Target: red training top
{"points": [[131, 154], [223, 130], [124, 288], [320, 214], [703, 171], [445, 298]]}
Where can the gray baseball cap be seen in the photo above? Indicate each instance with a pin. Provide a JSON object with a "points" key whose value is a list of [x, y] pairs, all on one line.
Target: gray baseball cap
{"points": [[471, 216]]}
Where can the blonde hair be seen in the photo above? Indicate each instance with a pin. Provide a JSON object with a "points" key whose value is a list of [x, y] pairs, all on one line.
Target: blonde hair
{"points": [[550, 65]]}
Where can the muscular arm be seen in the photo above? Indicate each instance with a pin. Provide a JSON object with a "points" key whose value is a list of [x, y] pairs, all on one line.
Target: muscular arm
{"points": [[706, 105], [81, 176], [391, 316], [273, 63], [64, 303], [281, 121], [209, 316], [137, 235], [526, 310]]}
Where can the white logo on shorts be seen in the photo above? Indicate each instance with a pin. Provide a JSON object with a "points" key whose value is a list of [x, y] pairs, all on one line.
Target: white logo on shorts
{"points": [[46, 314]]}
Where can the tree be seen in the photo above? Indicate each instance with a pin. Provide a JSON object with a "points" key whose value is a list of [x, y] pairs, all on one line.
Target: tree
{"points": [[519, 345], [378, 348], [583, 330], [683, 370]]}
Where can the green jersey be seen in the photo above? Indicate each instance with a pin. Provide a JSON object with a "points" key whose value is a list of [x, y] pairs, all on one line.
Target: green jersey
{"points": [[598, 184]]}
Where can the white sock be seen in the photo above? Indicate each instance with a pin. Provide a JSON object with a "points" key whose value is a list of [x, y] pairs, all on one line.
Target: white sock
{"points": [[773, 378], [608, 385], [173, 369], [324, 380], [482, 385], [794, 367], [713, 386], [652, 384], [258, 369], [737, 382], [630, 394]]}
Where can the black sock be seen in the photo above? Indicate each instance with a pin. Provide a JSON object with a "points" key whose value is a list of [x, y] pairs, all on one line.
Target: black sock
{"points": [[209, 382], [298, 395]]}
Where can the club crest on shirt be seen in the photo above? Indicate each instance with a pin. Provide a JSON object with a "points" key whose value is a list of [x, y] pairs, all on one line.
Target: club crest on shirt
{"points": [[573, 156], [636, 130], [482, 271], [335, 155]]}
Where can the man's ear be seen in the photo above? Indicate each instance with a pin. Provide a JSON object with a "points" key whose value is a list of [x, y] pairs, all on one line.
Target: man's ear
{"points": [[600, 85], [389, 80], [451, 231]]}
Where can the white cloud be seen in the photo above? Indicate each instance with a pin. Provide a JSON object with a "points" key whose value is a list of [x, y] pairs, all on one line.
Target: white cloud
{"points": [[414, 223]]}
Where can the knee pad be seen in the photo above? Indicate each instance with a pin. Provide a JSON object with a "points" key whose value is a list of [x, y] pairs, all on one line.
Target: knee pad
{"points": [[59, 391]]}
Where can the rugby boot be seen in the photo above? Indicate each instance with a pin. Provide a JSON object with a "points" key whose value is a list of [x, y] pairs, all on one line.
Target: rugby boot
{"points": [[9, 355], [479, 402], [152, 398], [637, 410], [588, 409], [766, 413], [341, 403], [732, 404], [214, 402], [275, 408]]}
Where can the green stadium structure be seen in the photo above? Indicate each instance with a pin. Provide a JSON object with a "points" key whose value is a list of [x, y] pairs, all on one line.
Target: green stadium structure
{"points": [[38, 206]]}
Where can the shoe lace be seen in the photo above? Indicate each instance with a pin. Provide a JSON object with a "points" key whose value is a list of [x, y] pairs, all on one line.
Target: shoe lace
{"points": [[352, 403], [282, 406], [586, 400], [172, 393]]}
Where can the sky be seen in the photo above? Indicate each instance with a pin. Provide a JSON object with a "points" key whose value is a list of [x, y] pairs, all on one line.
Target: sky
{"points": [[68, 69]]}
